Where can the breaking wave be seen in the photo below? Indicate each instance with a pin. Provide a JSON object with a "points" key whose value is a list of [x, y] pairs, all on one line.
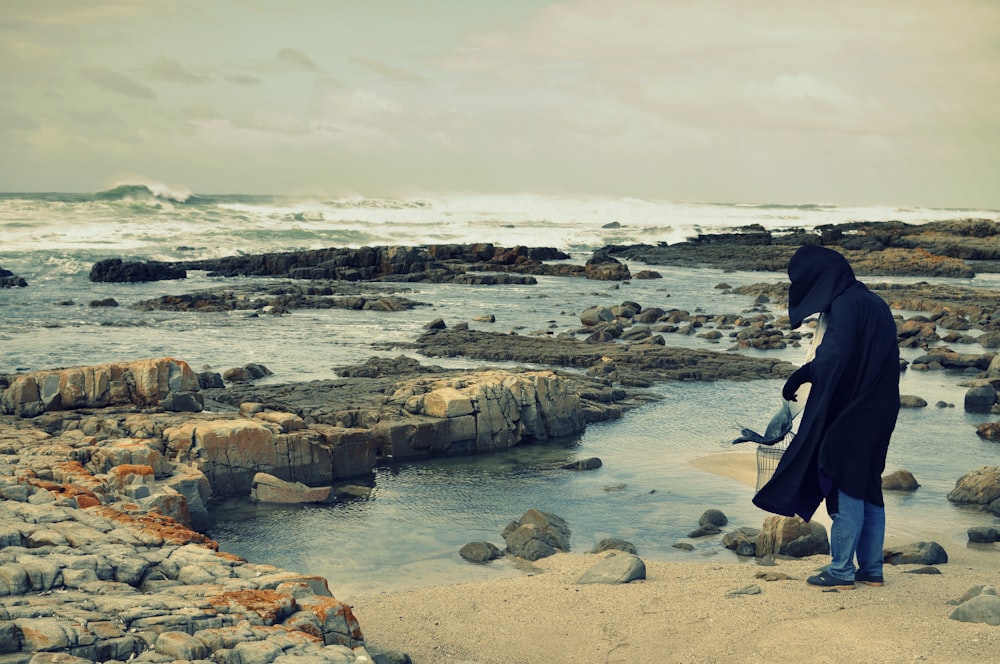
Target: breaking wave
{"points": [[141, 191]]}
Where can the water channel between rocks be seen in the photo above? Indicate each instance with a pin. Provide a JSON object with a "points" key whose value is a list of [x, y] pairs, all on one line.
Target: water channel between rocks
{"points": [[408, 531]]}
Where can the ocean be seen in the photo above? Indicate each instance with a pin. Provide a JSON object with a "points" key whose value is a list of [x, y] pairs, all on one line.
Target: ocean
{"points": [[408, 530]]}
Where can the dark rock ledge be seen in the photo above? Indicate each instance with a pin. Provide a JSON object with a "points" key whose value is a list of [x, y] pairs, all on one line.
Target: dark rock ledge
{"points": [[940, 249], [10, 280], [468, 264]]}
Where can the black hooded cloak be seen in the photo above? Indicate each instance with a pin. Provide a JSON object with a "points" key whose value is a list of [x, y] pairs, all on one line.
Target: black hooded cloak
{"points": [[853, 402]]}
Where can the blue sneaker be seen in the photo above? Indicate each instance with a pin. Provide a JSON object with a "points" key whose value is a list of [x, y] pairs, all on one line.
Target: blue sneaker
{"points": [[824, 580]]}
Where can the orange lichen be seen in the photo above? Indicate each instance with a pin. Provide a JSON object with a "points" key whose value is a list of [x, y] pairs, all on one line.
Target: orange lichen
{"points": [[132, 469], [83, 502], [267, 604], [66, 491], [230, 556]]}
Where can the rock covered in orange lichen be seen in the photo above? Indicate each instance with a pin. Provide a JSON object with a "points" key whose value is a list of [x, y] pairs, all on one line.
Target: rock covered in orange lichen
{"points": [[155, 525], [72, 480], [336, 619]]}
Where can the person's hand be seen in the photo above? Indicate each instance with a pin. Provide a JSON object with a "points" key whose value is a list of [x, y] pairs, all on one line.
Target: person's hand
{"points": [[801, 375]]}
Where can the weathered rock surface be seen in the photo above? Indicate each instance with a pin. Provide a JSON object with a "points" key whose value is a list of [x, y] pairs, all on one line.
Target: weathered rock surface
{"points": [[979, 487], [791, 536], [116, 582], [141, 383], [536, 534]]}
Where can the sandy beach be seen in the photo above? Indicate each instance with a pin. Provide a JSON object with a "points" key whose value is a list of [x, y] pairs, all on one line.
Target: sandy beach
{"points": [[708, 610]]}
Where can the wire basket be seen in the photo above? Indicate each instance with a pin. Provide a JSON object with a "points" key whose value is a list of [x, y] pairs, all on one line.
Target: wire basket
{"points": [[768, 457]]}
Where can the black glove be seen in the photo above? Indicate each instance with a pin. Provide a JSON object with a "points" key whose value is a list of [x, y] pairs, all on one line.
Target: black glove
{"points": [[801, 375]]}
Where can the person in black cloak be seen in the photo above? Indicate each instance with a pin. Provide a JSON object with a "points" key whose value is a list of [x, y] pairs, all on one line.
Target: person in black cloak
{"points": [[838, 453]]}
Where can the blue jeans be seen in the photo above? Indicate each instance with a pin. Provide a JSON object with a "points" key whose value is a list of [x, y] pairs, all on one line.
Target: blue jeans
{"points": [[858, 530]]}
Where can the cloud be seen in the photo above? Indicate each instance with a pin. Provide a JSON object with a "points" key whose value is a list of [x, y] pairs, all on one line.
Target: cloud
{"points": [[168, 69], [12, 120], [388, 72], [115, 82], [243, 79], [290, 58]]}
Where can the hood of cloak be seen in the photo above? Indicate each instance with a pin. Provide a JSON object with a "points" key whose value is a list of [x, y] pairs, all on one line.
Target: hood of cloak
{"points": [[818, 275]]}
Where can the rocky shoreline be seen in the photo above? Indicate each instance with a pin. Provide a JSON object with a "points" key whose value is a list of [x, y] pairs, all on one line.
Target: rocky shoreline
{"points": [[108, 471]]}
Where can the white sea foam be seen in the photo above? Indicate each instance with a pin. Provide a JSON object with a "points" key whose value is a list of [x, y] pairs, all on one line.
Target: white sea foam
{"points": [[148, 219]]}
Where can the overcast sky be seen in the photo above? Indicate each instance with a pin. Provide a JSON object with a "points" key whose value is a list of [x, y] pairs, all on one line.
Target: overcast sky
{"points": [[850, 102]]}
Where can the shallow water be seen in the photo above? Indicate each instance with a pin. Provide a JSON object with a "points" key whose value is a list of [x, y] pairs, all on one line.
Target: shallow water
{"points": [[409, 531]]}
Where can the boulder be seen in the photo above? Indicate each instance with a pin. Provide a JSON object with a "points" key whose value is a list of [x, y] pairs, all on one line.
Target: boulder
{"points": [[989, 431], [916, 553], [980, 609], [184, 402], [901, 480], [590, 463], [596, 315], [978, 487], [480, 552], [270, 489], [911, 401], [616, 568], [743, 541], [983, 534], [980, 398], [714, 517], [791, 536], [536, 535]]}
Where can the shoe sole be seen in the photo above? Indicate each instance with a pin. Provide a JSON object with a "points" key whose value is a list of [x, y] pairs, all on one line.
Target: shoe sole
{"points": [[874, 584], [845, 587]]}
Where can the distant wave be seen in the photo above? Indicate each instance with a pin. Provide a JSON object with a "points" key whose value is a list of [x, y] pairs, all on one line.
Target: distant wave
{"points": [[378, 203], [130, 191], [783, 206]]}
